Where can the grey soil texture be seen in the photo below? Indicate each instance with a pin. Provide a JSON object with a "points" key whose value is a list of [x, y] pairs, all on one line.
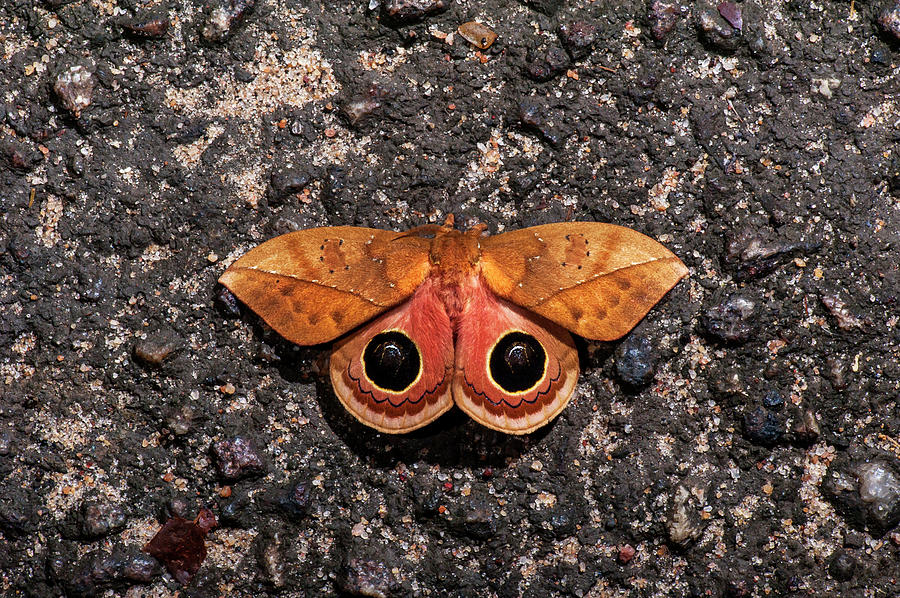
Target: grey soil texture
{"points": [[743, 440]]}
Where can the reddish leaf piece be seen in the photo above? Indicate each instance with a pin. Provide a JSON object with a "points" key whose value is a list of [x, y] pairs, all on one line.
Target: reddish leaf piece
{"points": [[180, 546]]}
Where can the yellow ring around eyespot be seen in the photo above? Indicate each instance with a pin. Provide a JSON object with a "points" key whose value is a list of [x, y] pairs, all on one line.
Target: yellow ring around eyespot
{"points": [[362, 359], [487, 363]]}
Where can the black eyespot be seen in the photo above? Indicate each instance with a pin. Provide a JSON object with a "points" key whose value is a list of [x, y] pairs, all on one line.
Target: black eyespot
{"points": [[517, 362], [391, 361]]}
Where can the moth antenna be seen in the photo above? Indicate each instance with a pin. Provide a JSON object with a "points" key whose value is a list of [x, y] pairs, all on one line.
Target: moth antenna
{"points": [[450, 221]]}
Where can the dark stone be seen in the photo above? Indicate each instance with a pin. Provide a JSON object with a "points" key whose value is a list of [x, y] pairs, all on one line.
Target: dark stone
{"points": [[286, 182], [18, 157], [405, 11], [773, 400], [578, 38], [227, 304], [294, 500], [237, 458], [889, 19], [755, 252], [865, 491], [367, 577], [716, 32], [478, 522], [543, 65], [551, 127], [842, 566], [662, 16], [119, 570], [730, 321], [761, 426], [100, 518], [154, 349], [16, 511], [548, 7], [635, 361], [74, 86]]}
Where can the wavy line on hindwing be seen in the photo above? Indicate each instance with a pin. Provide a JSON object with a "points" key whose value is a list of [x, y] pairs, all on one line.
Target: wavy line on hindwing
{"points": [[388, 398], [539, 394]]}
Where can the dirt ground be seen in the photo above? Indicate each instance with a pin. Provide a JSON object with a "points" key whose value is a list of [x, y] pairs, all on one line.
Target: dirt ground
{"points": [[743, 440]]}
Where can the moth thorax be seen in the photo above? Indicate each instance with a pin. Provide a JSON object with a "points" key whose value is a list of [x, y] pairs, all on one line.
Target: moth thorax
{"points": [[517, 362], [391, 361]]}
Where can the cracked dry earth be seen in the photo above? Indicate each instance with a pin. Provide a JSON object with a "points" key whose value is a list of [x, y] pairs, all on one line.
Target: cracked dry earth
{"points": [[743, 440]]}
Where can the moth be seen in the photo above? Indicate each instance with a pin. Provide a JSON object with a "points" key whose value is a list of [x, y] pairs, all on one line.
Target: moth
{"points": [[435, 317]]}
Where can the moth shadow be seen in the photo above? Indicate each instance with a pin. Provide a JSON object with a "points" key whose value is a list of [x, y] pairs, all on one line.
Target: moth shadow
{"points": [[453, 440]]}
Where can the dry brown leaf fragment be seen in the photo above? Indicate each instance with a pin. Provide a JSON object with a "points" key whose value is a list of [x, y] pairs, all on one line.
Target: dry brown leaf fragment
{"points": [[478, 34]]}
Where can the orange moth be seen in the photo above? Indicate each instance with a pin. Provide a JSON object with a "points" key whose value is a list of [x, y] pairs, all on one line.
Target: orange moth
{"points": [[434, 316]]}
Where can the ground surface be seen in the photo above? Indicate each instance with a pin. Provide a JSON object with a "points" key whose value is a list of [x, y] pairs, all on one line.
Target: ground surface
{"points": [[742, 441]]}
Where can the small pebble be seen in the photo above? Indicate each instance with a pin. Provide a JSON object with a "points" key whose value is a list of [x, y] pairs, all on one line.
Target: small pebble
{"points": [[889, 18], [662, 16], [866, 492], [578, 38], [237, 458], [271, 560], [682, 524], [404, 11], [806, 429], [546, 64], [286, 182], [535, 116], [836, 372], [74, 86], [227, 303], [731, 12], [715, 32], [367, 577], [763, 427], [626, 553], [773, 400], [100, 518], [730, 321], [180, 545], [635, 361], [119, 570], [154, 349], [294, 500], [19, 158], [479, 522], [842, 566], [180, 420], [358, 108], [846, 320], [224, 17]]}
